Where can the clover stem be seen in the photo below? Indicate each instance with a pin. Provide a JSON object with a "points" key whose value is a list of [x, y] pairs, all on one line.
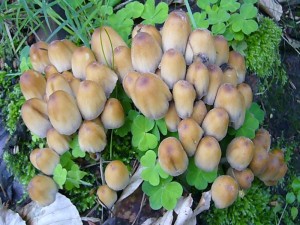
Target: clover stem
{"points": [[187, 5]]}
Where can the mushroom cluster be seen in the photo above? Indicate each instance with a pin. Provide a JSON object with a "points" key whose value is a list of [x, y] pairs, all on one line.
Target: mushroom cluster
{"points": [[189, 78]]}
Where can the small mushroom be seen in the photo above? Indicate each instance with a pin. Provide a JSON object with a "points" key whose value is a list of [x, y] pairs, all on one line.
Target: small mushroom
{"points": [[244, 178], [237, 61], [273, 165], [46, 160], [35, 116], [63, 113], [176, 31], [129, 83], [216, 123], [172, 67], [113, 115], [91, 137], [259, 161], [240, 152], [145, 53], [147, 28], [90, 99], [199, 111], [32, 84], [198, 75], [39, 56], [81, 57], [122, 61], [107, 196], [246, 91], [116, 175], [230, 76], [49, 70], [58, 142], [32, 157], [42, 189], [184, 96], [222, 50], [224, 191], [262, 138], [57, 82], [172, 157], [190, 133], [171, 118], [208, 154]]}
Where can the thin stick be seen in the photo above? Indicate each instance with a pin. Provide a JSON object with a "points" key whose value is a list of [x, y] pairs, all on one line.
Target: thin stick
{"points": [[122, 4], [140, 210], [187, 5], [101, 170]]}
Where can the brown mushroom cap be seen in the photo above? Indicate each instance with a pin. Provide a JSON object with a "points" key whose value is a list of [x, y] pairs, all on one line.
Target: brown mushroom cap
{"points": [[107, 196], [272, 168], [57, 82], [113, 115], [49, 70], [81, 57], [222, 50], [176, 31], [46, 160], [116, 175], [42, 189], [230, 76], [147, 28], [90, 99], [262, 138], [172, 67], [216, 123], [199, 111], [198, 75], [237, 61], [39, 56], [184, 96], [122, 61], [240, 152], [246, 91], [58, 142], [172, 157], [215, 80], [171, 118], [64, 113], [244, 178], [259, 161], [32, 157], [145, 53], [208, 154], [129, 83], [35, 116], [32, 84], [190, 133], [224, 191]]}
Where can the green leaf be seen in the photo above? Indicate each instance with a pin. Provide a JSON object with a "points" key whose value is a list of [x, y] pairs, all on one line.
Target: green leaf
{"points": [[161, 124], [60, 175], [239, 36], [120, 23], [290, 197], [155, 15], [249, 127], [250, 1], [257, 112], [296, 184], [134, 9], [229, 34], [141, 124], [148, 141], [75, 3], [237, 25], [74, 177], [239, 46], [248, 11], [25, 59], [218, 28], [106, 10], [66, 160], [249, 26], [200, 19], [76, 151], [125, 129], [298, 197], [199, 178], [149, 159], [294, 212], [203, 4], [230, 5]]}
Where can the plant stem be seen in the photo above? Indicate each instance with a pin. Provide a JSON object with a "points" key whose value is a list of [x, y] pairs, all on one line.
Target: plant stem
{"points": [[282, 214], [187, 5]]}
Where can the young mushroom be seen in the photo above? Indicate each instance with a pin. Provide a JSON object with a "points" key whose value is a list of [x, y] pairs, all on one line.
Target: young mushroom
{"points": [[259, 162], [116, 175], [122, 61], [215, 80], [230, 76], [57, 82], [222, 50], [244, 178], [247, 93], [172, 157], [58, 142], [171, 118], [46, 160], [150, 29], [33, 85], [113, 115], [199, 111], [237, 61], [39, 56], [107, 196]]}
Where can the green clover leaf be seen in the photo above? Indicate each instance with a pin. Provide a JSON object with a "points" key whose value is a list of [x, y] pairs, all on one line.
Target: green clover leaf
{"points": [[205, 4], [60, 175], [74, 177], [248, 11], [199, 178], [230, 5], [200, 19], [294, 212], [249, 26], [296, 184], [218, 28], [290, 197], [153, 15], [249, 127], [76, 151], [134, 9], [257, 112]]}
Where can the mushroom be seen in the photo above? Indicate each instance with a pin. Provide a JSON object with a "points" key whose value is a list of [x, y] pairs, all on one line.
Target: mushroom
{"points": [[104, 40], [215, 80], [113, 115], [122, 61], [172, 67], [39, 56], [272, 168], [42, 189], [262, 138], [145, 53], [175, 31], [49, 70], [216, 123], [116, 175], [259, 162], [208, 154], [105, 77], [244, 178], [246, 92], [201, 47], [151, 96], [35, 116], [60, 54], [58, 142], [91, 136], [237, 61], [230, 76], [171, 118], [81, 57], [198, 75], [63, 113], [224, 191], [32, 157], [190, 133], [32, 84], [222, 50], [90, 99], [128, 83], [150, 29], [199, 111], [184, 96], [240, 152], [46, 160], [107, 196], [57, 82], [172, 157]]}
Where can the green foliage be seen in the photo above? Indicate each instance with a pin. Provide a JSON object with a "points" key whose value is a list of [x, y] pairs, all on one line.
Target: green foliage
{"points": [[253, 208], [266, 63], [166, 194], [76, 150], [199, 178], [155, 14]]}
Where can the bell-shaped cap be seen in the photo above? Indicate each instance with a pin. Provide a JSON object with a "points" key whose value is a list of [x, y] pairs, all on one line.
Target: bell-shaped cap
{"points": [[33, 85], [39, 56]]}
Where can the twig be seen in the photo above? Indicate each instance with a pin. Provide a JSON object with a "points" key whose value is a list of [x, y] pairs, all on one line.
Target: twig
{"points": [[122, 4], [140, 210], [92, 210], [101, 170], [287, 40], [282, 214], [2, 189]]}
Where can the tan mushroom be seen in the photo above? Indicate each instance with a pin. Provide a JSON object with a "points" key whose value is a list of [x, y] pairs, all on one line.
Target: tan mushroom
{"points": [[116, 175], [107, 196], [237, 61], [39, 56], [113, 115], [33, 85], [222, 50]]}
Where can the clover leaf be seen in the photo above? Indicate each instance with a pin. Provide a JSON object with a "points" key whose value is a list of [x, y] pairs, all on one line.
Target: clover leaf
{"points": [[60, 175], [257, 112], [230, 5], [74, 177], [134, 9], [160, 127], [248, 11], [205, 4], [152, 170], [201, 20], [166, 194], [199, 178], [76, 150], [249, 127], [153, 15]]}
